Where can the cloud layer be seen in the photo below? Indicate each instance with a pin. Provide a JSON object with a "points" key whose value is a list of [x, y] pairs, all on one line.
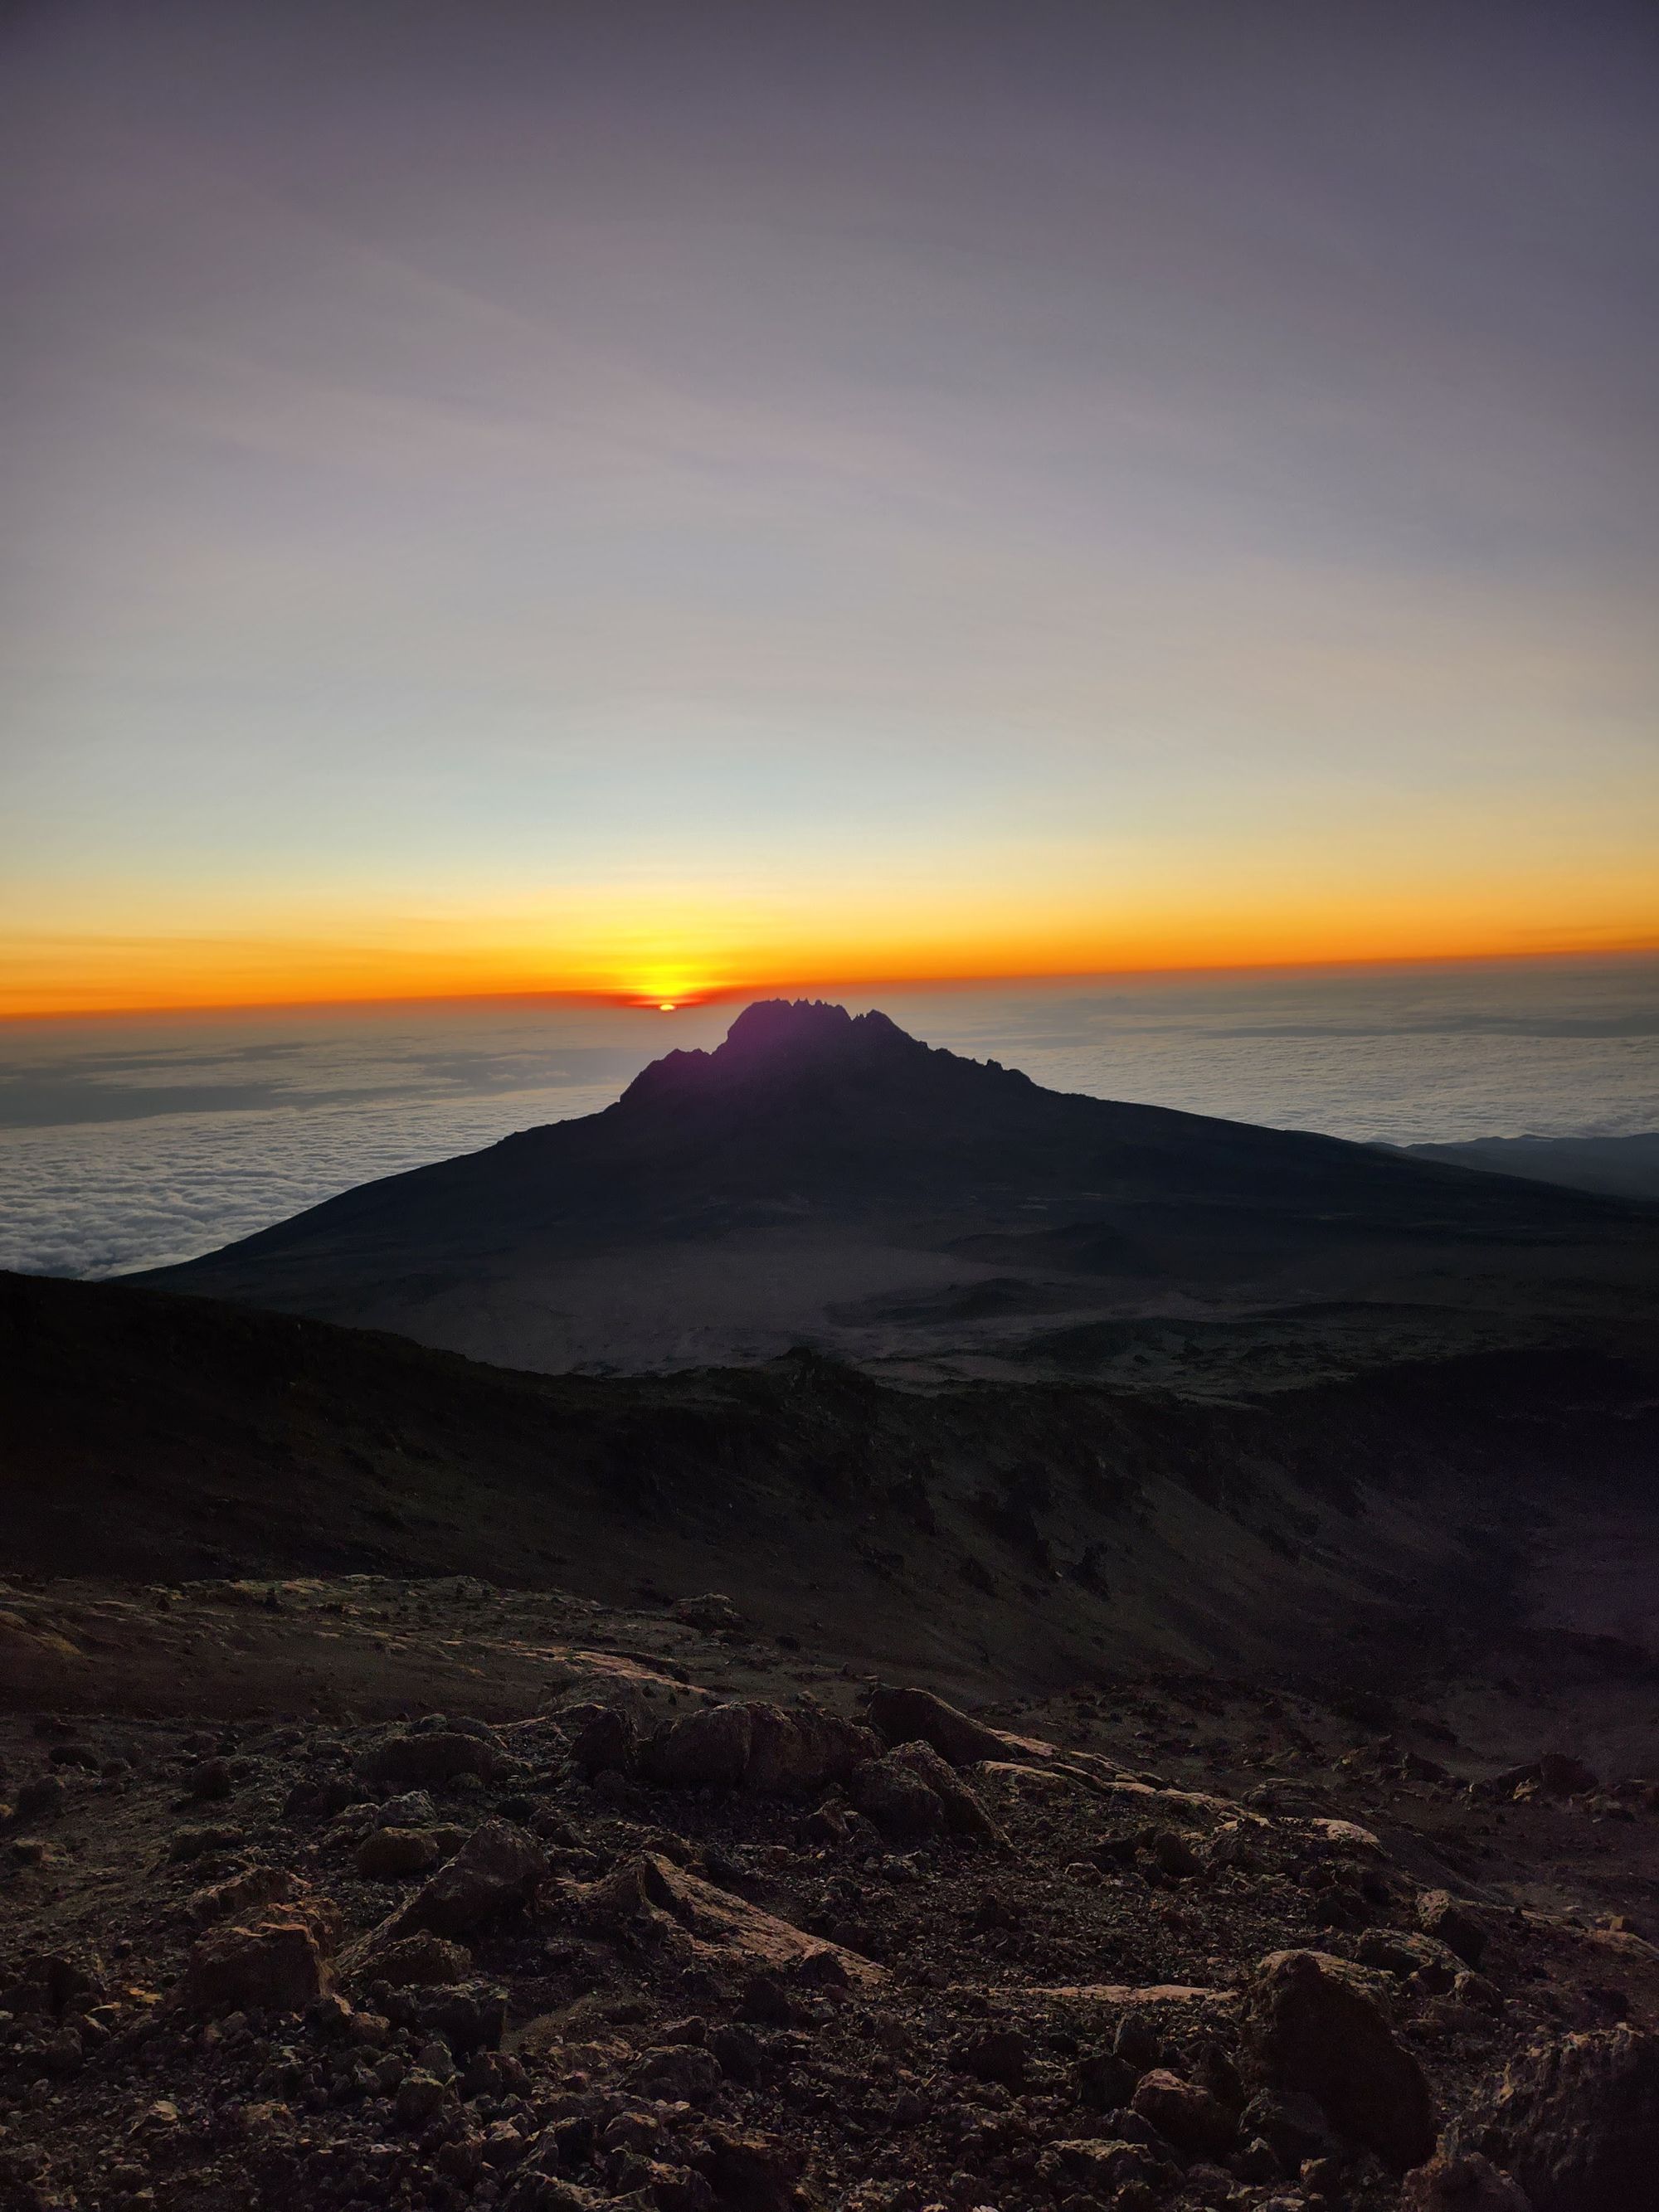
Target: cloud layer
{"points": [[130, 1144]]}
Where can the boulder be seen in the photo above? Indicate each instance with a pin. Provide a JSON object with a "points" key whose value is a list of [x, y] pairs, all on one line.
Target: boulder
{"points": [[964, 1813], [1465, 2182], [1103, 2081], [1183, 2114], [1293, 2126], [603, 1740], [706, 1749], [1401, 1952], [913, 1716], [675, 2073], [275, 1967], [1560, 1776], [1575, 2121], [1311, 2023], [754, 1747], [1441, 1915], [497, 1867], [51, 1983], [713, 1612], [425, 1760], [386, 1853], [793, 1752], [469, 2016], [994, 2054], [1092, 2168], [421, 1961], [749, 2173], [891, 1794], [1175, 1855], [651, 1892], [246, 1892]]}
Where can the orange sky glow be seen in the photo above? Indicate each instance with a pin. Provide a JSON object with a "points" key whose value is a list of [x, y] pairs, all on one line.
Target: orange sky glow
{"points": [[686, 966]]}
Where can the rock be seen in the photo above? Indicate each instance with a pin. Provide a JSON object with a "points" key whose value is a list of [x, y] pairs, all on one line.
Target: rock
{"points": [[891, 1794], [1558, 1776], [1310, 2022], [1235, 1846], [460, 2161], [827, 1826], [1292, 2126], [51, 1983], [1441, 1915], [1575, 2121], [497, 1867], [385, 1853], [793, 1752], [1475, 1990], [245, 1892], [470, 2017], [603, 1741], [707, 1749], [421, 1961], [749, 2173], [753, 1747], [1465, 2182], [211, 1780], [275, 1967], [995, 2054], [418, 2097], [1092, 2168], [1187, 2116], [1175, 1854], [414, 1809], [708, 1924], [424, 1761], [740, 2051], [765, 2001], [711, 1612], [676, 2071], [1104, 2082], [200, 1843], [964, 1813], [1137, 2040], [40, 1799], [1403, 1952], [913, 1716]]}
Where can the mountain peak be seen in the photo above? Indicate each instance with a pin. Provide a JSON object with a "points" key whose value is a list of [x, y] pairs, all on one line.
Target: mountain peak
{"points": [[809, 1025], [782, 1038]]}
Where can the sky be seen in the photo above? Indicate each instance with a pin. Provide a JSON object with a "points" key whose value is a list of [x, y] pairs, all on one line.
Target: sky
{"points": [[654, 500]]}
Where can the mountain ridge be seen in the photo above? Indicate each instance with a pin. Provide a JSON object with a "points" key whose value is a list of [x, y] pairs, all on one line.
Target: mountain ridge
{"points": [[826, 1178]]}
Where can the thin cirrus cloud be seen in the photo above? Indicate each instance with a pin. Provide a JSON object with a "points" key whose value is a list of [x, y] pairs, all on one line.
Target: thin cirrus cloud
{"points": [[606, 490]]}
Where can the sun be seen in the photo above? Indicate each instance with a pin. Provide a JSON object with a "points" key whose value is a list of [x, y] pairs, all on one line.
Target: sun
{"points": [[669, 986]]}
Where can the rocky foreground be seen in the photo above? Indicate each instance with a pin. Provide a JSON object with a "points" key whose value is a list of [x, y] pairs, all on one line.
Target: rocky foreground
{"points": [[801, 1939]]}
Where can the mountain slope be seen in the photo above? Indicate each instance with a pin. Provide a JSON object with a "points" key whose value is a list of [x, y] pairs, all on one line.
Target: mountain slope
{"points": [[1617, 1167], [992, 1534], [828, 1180]]}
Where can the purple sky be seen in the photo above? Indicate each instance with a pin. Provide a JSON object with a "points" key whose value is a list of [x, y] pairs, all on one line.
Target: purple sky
{"points": [[484, 468]]}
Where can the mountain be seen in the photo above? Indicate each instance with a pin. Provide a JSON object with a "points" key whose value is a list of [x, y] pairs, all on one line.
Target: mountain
{"points": [[1617, 1167], [826, 1180]]}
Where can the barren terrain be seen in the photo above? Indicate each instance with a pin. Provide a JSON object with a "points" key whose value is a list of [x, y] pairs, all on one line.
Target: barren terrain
{"points": [[430, 1785]]}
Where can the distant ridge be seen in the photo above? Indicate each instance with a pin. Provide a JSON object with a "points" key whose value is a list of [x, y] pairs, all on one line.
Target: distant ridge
{"points": [[1616, 1167]]}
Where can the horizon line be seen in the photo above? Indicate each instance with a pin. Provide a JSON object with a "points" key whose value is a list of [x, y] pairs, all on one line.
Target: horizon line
{"points": [[714, 995]]}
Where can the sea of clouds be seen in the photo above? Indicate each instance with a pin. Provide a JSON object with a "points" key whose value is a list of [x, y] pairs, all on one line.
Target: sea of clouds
{"points": [[133, 1142]]}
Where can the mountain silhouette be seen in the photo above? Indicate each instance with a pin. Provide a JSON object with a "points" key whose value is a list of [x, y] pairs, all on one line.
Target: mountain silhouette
{"points": [[826, 1179]]}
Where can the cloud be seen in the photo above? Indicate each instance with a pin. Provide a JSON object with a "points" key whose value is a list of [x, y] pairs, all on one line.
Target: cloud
{"points": [[167, 1145]]}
